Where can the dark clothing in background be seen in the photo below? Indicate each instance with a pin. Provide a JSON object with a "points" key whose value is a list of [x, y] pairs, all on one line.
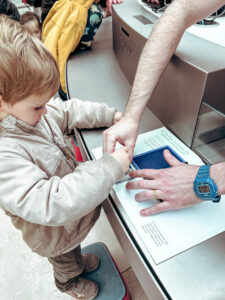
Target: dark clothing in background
{"points": [[47, 5], [94, 20], [8, 8], [45, 8]]}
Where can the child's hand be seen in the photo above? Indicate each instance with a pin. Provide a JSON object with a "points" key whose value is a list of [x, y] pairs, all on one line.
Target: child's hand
{"points": [[123, 158], [117, 117]]}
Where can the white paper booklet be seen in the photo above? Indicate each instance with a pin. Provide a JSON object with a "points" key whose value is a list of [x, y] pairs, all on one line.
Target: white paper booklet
{"points": [[172, 232]]}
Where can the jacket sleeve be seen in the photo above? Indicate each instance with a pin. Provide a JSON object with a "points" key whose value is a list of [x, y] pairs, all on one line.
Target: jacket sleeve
{"points": [[26, 191], [76, 113]]}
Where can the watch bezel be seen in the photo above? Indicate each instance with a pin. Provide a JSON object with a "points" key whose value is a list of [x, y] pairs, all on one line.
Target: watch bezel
{"points": [[205, 193]]}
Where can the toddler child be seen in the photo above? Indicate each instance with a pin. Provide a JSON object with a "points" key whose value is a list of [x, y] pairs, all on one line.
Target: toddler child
{"points": [[31, 22], [52, 199]]}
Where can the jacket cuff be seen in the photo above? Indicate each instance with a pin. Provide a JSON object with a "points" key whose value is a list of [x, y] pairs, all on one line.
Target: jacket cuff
{"points": [[113, 169], [108, 114]]}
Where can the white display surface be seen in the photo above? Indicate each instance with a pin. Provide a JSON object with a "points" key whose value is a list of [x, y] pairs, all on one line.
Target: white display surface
{"points": [[170, 233], [212, 33]]}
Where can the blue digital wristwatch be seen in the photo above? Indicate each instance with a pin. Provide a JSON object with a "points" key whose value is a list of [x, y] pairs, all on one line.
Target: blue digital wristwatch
{"points": [[204, 186]]}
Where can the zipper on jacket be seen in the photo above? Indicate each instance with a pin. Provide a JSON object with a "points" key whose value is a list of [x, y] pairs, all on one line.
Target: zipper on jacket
{"points": [[67, 155]]}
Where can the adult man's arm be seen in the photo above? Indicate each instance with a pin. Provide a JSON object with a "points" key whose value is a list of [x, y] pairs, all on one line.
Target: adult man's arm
{"points": [[155, 56]]}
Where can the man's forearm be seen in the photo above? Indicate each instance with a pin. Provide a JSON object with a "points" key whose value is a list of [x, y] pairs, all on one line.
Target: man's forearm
{"points": [[161, 45], [217, 172]]}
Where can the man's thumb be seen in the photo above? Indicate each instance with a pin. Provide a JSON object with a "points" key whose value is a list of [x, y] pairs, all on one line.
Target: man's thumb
{"points": [[172, 160]]}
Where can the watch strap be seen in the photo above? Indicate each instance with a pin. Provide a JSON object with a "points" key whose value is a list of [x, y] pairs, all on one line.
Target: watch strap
{"points": [[203, 171]]}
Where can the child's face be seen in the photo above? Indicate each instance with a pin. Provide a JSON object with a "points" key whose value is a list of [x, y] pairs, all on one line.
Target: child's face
{"points": [[34, 28], [30, 110]]}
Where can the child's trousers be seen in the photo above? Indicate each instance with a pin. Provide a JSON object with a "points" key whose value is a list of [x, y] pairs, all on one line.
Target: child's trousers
{"points": [[66, 267]]}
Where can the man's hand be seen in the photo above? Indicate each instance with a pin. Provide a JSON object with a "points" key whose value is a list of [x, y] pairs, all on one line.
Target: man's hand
{"points": [[108, 9], [174, 186], [110, 2], [125, 132]]}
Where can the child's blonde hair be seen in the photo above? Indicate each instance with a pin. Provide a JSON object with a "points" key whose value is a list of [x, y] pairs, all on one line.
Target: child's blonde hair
{"points": [[26, 66]]}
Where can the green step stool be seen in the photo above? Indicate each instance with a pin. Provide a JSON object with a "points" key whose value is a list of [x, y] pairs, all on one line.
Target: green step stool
{"points": [[107, 275]]}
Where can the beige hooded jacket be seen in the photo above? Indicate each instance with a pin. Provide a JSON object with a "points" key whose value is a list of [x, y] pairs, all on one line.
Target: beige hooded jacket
{"points": [[49, 197]]}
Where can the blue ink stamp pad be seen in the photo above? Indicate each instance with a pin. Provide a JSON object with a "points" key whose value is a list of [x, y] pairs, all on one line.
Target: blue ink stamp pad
{"points": [[154, 159]]}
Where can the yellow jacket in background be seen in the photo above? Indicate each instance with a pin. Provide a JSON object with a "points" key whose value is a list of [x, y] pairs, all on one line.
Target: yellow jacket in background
{"points": [[63, 29]]}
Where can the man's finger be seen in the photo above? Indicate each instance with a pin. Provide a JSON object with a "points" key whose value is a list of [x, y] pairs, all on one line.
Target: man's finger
{"points": [[130, 150], [109, 4], [142, 184], [148, 195], [145, 173], [155, 209], [109, 142], [172, 160]]}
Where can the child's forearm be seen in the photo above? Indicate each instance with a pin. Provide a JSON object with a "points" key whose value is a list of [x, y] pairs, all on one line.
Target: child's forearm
{"points": [[75, 113]]}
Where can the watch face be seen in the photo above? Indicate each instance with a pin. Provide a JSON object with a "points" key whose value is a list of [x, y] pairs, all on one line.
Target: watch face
{"points": [[204, 189]]}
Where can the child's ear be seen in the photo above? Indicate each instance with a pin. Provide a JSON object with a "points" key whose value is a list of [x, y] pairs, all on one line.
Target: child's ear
{"points": [[3, 108], [2, 102]]}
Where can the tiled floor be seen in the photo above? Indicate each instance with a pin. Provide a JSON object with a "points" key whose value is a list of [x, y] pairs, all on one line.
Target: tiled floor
{"points": [[26, 276]]}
